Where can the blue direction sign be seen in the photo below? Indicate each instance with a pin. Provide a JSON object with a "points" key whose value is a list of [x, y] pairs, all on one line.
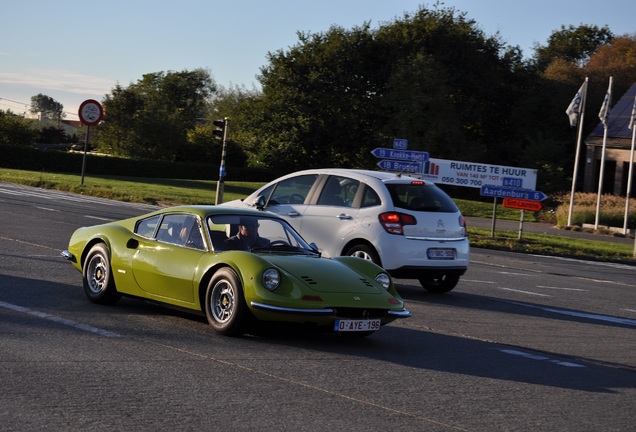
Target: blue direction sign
{"points": [[400, 143], [392, 165], [509, 192], [405, 155]]}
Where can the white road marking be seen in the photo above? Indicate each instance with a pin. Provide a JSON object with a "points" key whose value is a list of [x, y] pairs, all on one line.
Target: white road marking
{"points": [[606, 318], [60, 320], [46, 208], [596, 263], [540, 358], [513, 273], [560, 288], [605, 281], [98, 218], [50, 194], [525, 292]]}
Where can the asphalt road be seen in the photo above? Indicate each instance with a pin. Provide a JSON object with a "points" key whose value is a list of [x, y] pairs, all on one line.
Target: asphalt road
{"points": [[524, 342]]}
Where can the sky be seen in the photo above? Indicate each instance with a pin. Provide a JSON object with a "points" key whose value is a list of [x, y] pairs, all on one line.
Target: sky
{"points": [[74, 50]]}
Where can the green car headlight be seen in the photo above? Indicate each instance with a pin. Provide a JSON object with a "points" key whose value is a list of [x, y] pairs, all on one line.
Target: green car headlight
{"points": [[271, 279], [384, 280]]}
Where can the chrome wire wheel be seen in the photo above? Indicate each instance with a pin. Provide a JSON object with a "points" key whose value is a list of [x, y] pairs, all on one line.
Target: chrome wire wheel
{"points": [[223, 301], [225, 306], [97, 274], [98, 281]]}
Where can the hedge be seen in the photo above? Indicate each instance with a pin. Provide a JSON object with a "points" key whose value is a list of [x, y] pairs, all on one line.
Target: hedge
{"points": [[31, 159]]}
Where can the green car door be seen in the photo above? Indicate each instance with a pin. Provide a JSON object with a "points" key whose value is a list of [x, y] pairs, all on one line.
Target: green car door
{"points": [[165, 266]]}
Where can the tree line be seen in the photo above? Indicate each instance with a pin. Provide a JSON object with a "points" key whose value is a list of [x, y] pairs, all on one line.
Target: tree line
{"points": [[431, 76]]}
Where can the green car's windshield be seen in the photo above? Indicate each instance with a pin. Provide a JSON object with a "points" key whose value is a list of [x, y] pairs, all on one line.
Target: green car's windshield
{"points": [[253, 233]]}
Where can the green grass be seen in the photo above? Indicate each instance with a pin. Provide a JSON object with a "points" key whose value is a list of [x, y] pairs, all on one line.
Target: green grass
{"points": [[164, 192], [168, 192], [544, 244]]}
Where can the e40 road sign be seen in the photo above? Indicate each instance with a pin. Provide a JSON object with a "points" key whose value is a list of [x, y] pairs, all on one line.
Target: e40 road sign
{"points": [[520, 204]]}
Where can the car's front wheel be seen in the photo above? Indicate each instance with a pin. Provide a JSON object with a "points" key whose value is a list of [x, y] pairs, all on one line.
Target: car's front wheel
{"points": [[365, 252], [225, 305], [99, 284], [439, 282]]}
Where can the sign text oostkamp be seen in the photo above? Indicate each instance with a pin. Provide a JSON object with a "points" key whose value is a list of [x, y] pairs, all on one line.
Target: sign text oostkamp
{"points": [[471, 174]]}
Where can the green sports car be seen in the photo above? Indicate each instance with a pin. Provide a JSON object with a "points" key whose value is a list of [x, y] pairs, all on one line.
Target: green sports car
{"points": [[236, 267]]}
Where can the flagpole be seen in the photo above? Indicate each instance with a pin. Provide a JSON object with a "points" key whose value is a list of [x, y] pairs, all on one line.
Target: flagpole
{"points": [[632, 126], [629, 181], [603, 116], [578, 153]]}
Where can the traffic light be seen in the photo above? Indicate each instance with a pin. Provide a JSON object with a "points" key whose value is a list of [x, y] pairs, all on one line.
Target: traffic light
{"points": [[219, 129]]}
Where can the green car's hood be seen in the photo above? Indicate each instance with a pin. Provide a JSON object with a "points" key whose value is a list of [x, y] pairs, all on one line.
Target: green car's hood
{"points": [[326, 275]]}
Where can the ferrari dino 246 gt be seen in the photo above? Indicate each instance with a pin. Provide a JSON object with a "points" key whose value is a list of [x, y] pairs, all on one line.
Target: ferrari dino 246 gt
{"points": [[234, 266]]}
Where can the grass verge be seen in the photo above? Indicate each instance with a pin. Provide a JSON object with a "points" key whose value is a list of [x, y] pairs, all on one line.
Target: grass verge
{"points": [[545, 244]]}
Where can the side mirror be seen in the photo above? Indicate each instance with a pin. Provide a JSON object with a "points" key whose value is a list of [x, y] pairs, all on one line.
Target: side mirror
{"points": [[314, 247], [260, 202]]}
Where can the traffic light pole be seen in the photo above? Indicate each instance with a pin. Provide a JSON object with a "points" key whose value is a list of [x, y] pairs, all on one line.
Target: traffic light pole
{"points": [[221, 183]]}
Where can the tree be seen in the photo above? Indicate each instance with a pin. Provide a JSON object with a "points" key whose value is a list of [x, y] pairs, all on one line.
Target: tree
{"points": [[573, 44], [319, 101], [15, 130], [431, 77], [616, 59], [454, 79], [47, 105], [151, 118]]}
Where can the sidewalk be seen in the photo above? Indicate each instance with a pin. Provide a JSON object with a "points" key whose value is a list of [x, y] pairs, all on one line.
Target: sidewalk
{"points": [[542, 228]]}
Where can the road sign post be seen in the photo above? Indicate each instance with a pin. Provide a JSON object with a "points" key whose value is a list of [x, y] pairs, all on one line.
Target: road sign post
{"points": [[90, 113], [220, 185], [524, 199]]}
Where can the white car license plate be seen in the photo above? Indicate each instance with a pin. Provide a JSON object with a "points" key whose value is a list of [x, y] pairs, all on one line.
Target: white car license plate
{"points": [[440, 254], [356, 325]]}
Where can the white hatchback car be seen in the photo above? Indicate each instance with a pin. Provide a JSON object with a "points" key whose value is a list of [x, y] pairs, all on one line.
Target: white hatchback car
{"points": [[408, 226]]}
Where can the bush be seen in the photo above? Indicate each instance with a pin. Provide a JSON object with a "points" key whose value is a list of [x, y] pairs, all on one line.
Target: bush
{"points": [[584, 210]]}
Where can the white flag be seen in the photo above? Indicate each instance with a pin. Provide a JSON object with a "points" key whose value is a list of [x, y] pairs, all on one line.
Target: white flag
{"points": [[574, 110], [606, 104], [633, 118]]}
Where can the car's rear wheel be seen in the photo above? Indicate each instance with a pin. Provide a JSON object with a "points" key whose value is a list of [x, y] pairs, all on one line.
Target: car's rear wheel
{"points": [[225, 305], [99, 284], [439, 282], [365, 252]]}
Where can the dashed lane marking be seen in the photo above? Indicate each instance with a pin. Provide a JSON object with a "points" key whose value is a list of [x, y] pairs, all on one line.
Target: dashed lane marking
{"points": [[59, 320]]}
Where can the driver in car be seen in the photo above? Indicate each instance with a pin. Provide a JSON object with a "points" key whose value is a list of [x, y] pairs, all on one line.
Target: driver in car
{"points": [[247, 237]]}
